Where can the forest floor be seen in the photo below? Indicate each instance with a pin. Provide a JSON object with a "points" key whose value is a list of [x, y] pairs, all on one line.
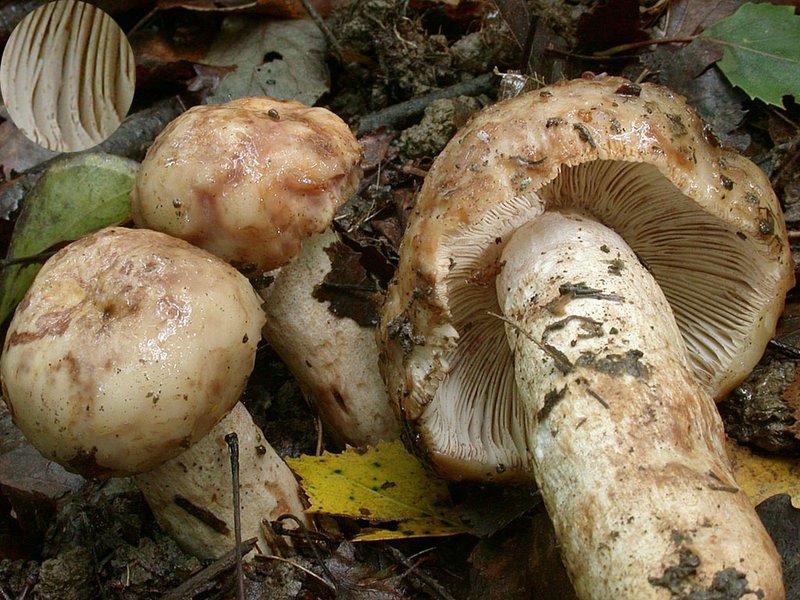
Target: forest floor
{"points": [[64, 538]]}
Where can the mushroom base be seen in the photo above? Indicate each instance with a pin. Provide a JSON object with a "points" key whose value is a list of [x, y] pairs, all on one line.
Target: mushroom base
{"points": [[334, 359], [191, 495], [628, 448]]}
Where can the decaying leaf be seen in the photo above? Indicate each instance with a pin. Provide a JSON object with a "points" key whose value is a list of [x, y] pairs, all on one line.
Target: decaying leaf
{"points": [[348, 288], [761, 53], [610, 24], [384, 485], [76, 195], [763, 476], [281, 59]]}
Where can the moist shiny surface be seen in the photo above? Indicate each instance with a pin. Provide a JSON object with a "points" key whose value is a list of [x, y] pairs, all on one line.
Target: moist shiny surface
{"points": [[128, 347], [247, 180]]}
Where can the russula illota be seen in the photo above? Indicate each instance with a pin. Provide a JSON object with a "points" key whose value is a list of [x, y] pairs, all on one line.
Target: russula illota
{"points": [[251, 181], [334, 358], [128, 348], [584, 271]]}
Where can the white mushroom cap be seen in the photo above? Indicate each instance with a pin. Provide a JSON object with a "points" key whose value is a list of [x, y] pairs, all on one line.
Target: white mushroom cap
{"points": [[637, 159], [128, 347], [248, 180]]}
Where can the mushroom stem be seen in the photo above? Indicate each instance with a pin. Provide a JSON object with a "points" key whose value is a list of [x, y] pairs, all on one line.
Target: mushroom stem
{"points": [[628, 448], [190, 494], [333, 359]]}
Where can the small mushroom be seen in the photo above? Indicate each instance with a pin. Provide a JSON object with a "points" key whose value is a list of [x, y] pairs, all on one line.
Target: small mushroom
{"points": [[250, 181], [585, 270], [128, 348]]}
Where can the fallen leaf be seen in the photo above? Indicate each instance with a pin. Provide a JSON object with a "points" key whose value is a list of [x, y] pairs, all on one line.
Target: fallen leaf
{"points": [[689, 17], [763, 476], [491, 508], [520, 563], [761, 54], [610, 24], [348, 288], [75, 196], [382, 485], [281, 59]]}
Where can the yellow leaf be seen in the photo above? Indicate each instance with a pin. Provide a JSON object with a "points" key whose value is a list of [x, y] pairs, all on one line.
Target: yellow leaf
{"points": [[764, 476], [384, 484]]}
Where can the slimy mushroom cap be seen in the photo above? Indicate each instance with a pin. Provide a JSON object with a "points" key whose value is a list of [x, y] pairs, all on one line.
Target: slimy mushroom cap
{"points": [[248, 180], [129, 346]]}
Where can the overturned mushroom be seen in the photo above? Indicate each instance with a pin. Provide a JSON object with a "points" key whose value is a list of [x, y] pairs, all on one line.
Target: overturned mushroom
{"points": [[251, 181], [129, 347], [585, 270]]}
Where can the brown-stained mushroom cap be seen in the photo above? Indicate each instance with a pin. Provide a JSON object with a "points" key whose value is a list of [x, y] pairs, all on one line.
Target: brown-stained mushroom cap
{"points": [[248, 180], [703, 219], [128, 347]]}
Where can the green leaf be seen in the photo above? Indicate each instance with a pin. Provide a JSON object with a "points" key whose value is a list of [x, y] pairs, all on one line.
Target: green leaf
{"points": [[761, 50], [75, 196], [384, 484]]}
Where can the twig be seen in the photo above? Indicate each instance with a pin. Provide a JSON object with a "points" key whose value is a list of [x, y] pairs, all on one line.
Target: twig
{"points": [[232, 439], [785, 349], [25, 260], [331, 579], [563, 364], [393, 116], [130, 140], [336, 47], [308, 572], [412, 570], [197, 582], [643, 44]]}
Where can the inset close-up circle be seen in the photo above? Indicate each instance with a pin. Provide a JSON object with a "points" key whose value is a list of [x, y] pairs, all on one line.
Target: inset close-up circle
{"points": [[67, 76]]}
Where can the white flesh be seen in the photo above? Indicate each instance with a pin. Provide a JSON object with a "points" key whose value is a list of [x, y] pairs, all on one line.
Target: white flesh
{"points": [[627, 448], [334, 359], [200, 479]]}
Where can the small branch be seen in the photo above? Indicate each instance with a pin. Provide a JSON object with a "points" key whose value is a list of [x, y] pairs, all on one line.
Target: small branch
{"points": [[786, 349], [643, 44], [26, 260], [331, 579], [398, 114], [197, 583], [309, 572], [412, 570], [336, 47], [131, 140], [233, 448], [563, 364]]}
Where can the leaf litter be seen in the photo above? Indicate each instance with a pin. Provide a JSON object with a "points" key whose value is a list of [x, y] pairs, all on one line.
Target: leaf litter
{"points": [[394, 52]]}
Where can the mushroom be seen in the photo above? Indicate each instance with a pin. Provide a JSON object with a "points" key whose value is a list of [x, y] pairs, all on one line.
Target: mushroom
{"points": [[128, 348], [585, 270], [250, 181], [333, 358]]}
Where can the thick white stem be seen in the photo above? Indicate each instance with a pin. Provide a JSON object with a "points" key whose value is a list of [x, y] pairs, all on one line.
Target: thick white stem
{"points": [[333, 359], [191, 495], [628, 448]]}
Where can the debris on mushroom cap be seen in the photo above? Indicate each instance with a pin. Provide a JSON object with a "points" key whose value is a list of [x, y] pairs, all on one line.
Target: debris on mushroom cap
{"points": [[197, 511], [128, 347], [333, 358], [247, 180], [702, 218]]}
